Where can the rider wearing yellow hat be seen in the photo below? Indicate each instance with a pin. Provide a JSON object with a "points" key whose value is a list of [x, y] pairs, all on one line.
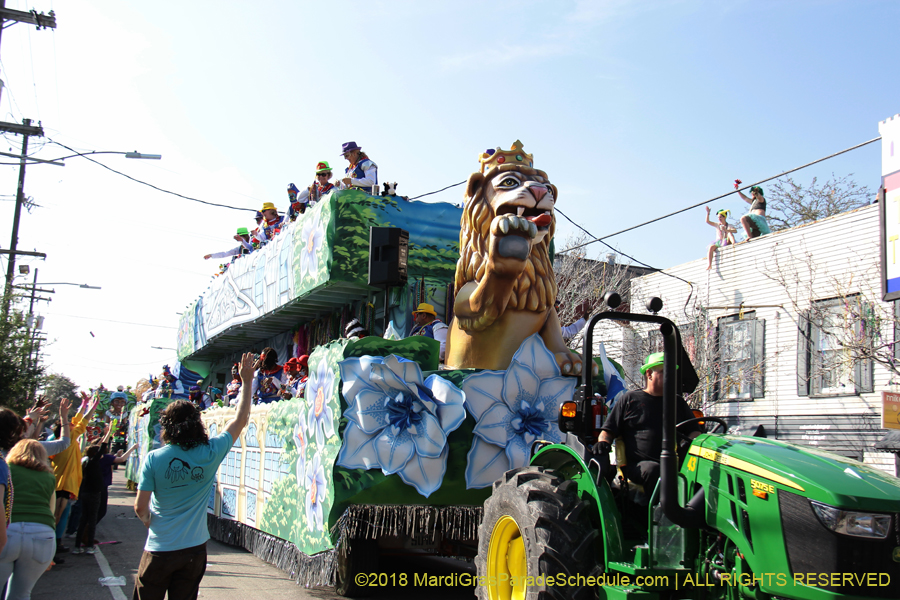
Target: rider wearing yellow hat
{"points": [[428, 325]]}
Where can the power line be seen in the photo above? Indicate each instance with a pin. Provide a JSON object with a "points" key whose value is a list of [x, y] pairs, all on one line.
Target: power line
{"points": [[55, 314], [159, 189], [671, 214], [437, 191]]}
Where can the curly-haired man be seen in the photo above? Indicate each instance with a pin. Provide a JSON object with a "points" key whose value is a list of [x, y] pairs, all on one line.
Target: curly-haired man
{"points": [[173, 491]]}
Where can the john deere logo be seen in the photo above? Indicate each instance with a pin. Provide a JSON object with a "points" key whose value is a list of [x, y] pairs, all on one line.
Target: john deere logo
{"points": [[896, 554]]}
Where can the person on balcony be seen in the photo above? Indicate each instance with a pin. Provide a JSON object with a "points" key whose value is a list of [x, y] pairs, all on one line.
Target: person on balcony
{"points": [[243, 238], [297, 374], [362, 173]]}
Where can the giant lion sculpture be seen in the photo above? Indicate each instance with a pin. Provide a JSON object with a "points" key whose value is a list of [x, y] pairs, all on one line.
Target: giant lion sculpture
{"points": [[505, 287]]}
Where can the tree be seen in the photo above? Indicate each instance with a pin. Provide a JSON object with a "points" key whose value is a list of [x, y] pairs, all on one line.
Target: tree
{"points": [[19, 374], [55, 387], [789, 204]]}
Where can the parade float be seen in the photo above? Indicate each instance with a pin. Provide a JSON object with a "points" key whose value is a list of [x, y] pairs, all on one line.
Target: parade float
{"points": [[388, 451]]}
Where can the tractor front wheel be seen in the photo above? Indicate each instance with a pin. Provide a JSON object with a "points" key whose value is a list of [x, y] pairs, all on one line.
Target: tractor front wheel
{"points": [[536, 541]]}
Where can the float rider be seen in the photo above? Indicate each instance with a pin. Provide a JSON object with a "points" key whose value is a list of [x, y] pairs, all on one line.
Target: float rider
{"points": [[428, 325], [271, 224], [362, 173], [243, 238], [301, 199]]}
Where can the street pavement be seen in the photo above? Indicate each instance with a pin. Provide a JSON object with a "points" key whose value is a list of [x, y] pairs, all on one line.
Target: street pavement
{"points": [[232, 573]]}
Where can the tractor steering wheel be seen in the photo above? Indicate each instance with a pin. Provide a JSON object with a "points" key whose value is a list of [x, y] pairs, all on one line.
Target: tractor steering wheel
{"points": [[715, 420]]}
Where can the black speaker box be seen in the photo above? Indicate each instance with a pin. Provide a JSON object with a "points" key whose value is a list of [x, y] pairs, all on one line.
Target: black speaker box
{"points": [[388, 255]]}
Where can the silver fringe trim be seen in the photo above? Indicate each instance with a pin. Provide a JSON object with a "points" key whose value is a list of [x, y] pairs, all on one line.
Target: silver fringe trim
{"points": [[359, 521], [370, 521], [305, 570]]}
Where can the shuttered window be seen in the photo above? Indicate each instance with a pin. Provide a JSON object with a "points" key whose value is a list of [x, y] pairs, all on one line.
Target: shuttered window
{"points": [[741, 348], [835, 337]]}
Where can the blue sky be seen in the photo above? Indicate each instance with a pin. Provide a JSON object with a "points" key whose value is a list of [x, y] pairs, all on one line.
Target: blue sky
{"points": [[634, 109]]}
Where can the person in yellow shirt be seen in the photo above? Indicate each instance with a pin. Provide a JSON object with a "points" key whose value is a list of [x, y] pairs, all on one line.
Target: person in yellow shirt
{"points": [[67, 469]]}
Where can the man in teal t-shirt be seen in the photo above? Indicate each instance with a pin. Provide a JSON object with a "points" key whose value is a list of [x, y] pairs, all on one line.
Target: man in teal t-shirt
{"points": [[173, 491]]}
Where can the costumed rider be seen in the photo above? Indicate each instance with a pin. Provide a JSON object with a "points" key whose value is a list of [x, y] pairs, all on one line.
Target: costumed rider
{"points": [[271, 224], [151, 393], [233, 389], [362, 173], [297, 374], [243, 238], [428, 325], [354, 330], [195, 395], [170, 385], [301, 199], [267, 381], [637, 417]]}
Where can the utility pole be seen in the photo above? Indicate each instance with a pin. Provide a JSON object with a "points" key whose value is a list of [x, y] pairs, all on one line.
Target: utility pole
{"points": [[41, 21], [27, 130]]}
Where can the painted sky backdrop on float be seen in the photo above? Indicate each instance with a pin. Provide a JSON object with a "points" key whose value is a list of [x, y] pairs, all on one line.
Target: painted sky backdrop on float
{"points": [[634, 109]]}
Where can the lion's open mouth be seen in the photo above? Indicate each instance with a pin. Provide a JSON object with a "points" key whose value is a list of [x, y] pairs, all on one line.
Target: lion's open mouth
{"points": [[541, 218]]}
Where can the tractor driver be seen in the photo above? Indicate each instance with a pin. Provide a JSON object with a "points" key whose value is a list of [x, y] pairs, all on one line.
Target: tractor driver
{"points": [[638, 418]]}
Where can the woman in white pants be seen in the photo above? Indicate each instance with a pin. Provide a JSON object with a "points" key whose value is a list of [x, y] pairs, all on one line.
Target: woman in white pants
{"points": [[31, 535]]}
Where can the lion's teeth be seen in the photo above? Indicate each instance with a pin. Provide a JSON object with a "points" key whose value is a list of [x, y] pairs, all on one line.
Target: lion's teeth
{"points": [[532, 228], [521, 211], [504, 226]]}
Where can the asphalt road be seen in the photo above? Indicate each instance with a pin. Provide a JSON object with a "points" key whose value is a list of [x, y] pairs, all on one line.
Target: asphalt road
{"points": [[232, 573]]}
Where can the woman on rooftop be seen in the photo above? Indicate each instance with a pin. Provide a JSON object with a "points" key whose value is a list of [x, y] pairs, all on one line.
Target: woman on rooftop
{"points": [[754, 222]]}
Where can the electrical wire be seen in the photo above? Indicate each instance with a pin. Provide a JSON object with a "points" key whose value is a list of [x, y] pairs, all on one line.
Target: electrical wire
{"points": [[630, 257], [438, 191], [56, 314], [809, 164], [159, 189]]}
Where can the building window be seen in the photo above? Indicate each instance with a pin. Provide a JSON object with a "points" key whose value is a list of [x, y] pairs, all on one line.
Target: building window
{"points": [[834, 338], [741, 357]]}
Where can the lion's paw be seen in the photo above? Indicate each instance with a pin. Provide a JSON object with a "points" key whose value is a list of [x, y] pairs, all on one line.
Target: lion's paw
{"points": [[570, 363]]}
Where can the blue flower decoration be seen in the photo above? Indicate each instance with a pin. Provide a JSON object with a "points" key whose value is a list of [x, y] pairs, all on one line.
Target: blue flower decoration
{"points": [[512, 409], [397, 421], [317, 491], [320, 421]]}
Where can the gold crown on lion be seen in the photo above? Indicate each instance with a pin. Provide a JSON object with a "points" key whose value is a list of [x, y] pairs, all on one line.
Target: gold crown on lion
{"points": [[493, 157]]}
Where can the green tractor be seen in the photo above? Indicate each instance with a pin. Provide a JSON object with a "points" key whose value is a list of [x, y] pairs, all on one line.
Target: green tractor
{"points": [[742, 518]]}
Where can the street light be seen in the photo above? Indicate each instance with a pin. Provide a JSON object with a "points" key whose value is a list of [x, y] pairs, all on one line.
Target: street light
{"points": [[161, 348], [54, 161], [81, 285], [20, 200]]}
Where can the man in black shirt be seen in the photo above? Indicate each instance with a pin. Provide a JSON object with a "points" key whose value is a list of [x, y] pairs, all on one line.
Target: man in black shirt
{"points": [[638, 418]]}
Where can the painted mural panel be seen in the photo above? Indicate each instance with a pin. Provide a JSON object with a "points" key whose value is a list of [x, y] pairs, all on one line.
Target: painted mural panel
{"points": [[330, 242]]}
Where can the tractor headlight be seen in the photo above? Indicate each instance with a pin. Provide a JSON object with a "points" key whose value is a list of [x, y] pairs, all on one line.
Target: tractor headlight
{"points": [[859, 524]]}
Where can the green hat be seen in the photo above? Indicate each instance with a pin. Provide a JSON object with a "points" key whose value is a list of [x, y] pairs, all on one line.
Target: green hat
{"points": [[758, 190], [653, 361], [242, 231], [323, 167]]}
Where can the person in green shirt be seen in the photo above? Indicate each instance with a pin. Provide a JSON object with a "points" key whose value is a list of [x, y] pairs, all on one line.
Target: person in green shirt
{"points": [[31, 539]]}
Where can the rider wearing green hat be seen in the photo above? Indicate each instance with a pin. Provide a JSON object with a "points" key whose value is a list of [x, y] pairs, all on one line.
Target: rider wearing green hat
{"points": [[242, 236], [637, 419], [316, 191]]}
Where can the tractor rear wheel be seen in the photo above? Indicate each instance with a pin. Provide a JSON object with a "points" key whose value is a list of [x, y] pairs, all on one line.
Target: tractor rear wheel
{"points": [[535, 527], [357, 559]]}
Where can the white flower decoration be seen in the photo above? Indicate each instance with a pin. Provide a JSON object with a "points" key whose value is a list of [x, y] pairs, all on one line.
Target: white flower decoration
{"points": [[512, 409], [317, 488], [312, 236], [319, 388], [397, 421], [300, 442]]}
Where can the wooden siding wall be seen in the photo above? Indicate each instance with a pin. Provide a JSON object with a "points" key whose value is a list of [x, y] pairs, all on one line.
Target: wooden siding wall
{"points": [[837, 255]]}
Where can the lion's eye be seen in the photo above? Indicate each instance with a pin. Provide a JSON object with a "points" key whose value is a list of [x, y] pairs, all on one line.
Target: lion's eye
{"points": [[509, 182]]}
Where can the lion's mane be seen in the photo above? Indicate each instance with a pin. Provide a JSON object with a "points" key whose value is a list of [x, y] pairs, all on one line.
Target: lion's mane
{"points": [[535, 289]]}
